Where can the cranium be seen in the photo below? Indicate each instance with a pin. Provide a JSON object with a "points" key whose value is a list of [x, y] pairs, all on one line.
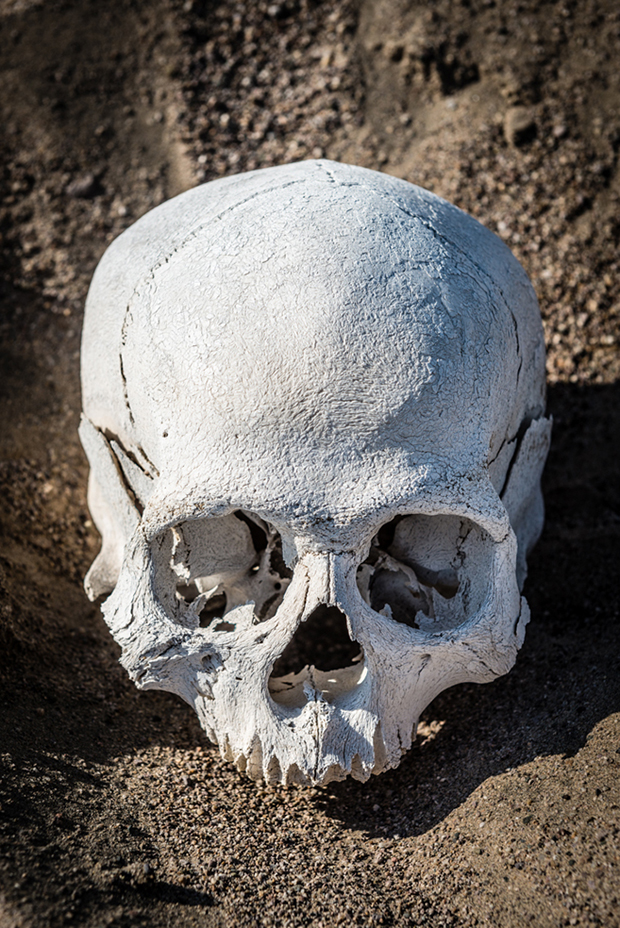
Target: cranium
{"points": [[314, 415]]}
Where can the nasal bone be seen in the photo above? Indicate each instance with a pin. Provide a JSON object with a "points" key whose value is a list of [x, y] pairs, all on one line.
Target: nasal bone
{"points": [[321, 568]]}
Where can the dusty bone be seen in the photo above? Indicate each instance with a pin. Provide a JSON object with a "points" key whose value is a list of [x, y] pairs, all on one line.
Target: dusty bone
{"points": [[314, 415]]}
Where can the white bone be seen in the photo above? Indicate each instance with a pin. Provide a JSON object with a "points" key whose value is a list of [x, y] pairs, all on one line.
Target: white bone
{"points": [[112, 507], [314, 416]]}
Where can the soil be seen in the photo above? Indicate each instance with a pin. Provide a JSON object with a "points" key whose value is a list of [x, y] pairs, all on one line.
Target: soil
{"points": [[115, 810]]}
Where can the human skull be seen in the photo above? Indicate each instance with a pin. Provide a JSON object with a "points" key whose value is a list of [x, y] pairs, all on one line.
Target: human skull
{"points": [[314, 416]]}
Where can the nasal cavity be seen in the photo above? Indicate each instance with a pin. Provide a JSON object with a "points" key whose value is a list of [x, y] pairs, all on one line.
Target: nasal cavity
{"points": [[322, 641]]}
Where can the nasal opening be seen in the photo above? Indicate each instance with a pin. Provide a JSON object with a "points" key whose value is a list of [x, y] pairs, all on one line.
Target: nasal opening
{"points": [[322, 641], [321, 661]]}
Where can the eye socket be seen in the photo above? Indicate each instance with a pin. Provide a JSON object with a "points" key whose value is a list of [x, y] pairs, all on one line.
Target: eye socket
{"points": [[428, 572], [224, 562]]}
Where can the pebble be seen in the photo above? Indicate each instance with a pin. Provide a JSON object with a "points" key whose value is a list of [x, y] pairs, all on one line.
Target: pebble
{"points": [[82, 187], [519, 125]]}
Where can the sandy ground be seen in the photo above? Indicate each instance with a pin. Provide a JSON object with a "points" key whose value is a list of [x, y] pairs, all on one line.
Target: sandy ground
{"points": [[114, 810]]}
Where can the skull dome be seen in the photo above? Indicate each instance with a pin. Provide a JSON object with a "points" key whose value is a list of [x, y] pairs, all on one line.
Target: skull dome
{"points": [[314, 417]]}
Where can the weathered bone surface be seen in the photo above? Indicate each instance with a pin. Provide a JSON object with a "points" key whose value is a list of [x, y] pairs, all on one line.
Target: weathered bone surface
{"points": [[314, 416]]}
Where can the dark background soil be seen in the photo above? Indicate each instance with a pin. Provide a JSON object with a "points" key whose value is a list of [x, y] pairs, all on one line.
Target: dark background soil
{"points": [[114, 810]]}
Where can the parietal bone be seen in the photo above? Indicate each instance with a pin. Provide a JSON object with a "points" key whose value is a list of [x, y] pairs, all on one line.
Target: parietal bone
{"points": [[313, 405]]}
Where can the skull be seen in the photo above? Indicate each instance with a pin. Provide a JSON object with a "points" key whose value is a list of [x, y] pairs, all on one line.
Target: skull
{"points": [[314, 416]]}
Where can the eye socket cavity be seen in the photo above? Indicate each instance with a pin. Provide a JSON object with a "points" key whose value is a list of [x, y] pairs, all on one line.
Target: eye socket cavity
{"points": [[220, 563], [428, 572]]}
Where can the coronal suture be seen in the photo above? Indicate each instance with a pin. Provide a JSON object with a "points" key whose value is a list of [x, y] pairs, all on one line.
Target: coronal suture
{"points": [[314, 411]]}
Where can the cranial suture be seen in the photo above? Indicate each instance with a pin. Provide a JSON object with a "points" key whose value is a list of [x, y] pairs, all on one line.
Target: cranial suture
{"points": [[314, 416]]}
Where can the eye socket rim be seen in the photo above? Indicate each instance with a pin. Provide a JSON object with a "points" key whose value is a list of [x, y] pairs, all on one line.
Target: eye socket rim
{"points": [[427, 581]]}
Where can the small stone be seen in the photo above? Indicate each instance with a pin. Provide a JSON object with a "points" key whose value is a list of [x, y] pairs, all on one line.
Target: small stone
{"points": [[82, 187], [519, 125]]}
